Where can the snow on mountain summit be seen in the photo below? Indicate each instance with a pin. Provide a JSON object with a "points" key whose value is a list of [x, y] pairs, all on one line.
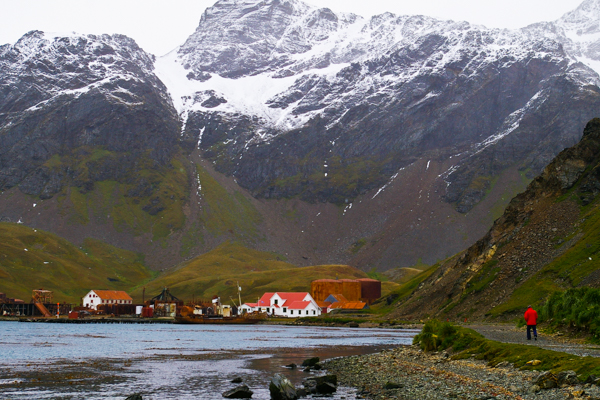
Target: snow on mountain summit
{"points": [[257, 57]]}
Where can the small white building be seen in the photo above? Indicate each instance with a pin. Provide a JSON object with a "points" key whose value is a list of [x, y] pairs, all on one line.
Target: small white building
{"points": [[97, 297], [285, 304]]}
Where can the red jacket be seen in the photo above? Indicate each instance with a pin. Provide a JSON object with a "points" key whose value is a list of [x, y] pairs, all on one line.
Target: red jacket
{"points": [[530, 316]]}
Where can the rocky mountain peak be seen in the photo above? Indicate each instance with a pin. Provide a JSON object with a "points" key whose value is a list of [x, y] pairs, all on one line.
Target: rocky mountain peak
{"points": [[585, 18]]}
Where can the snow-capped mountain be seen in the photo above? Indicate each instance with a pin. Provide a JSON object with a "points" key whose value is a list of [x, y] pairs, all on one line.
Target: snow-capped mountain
{"points": [[62, 92], [380, 92], [396, 138]]}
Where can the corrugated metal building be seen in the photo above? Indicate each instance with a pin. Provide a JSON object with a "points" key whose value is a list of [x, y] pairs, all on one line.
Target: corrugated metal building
{"points": [[365, 290]]}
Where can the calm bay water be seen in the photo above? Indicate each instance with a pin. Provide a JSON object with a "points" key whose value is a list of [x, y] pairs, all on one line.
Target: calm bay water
{"points": [[112, 361]]}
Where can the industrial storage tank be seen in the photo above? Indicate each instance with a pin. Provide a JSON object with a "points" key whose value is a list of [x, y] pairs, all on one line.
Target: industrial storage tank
{"points": [[370, 290], [350, 288]]}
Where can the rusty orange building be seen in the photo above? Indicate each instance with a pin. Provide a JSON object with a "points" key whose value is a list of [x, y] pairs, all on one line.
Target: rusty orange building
{"points": [[366, 290]]}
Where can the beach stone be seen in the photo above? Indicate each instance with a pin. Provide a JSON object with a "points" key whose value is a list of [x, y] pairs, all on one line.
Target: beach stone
{"points": [[282, 389], [534, 389], [393, 385], [317, 367], [325, 384], [301, 392], [310, 362], [237, 379], [240, 392], [592, 379], [310, 386], [567, 378], [136, 396], [326, 388], [546, 380], [503, 364], [291, 366]]}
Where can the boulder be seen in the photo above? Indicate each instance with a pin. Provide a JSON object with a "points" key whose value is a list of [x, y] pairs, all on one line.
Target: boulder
{"points": [[282, 389], [326, 388], [240, 392], [310, 362], [136, 396], [567, 378], [546, 380], [237, 379], [325, 384], [291, 366]]}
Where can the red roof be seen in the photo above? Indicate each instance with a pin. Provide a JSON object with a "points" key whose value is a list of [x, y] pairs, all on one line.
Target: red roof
{"points": [[290, 297], [265, 300], [286, 298], [112, 295], [251, 304], [299, 305]]}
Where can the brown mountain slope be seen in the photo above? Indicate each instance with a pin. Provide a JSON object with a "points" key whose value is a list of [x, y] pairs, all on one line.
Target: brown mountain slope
{"points": [[548, 239]]}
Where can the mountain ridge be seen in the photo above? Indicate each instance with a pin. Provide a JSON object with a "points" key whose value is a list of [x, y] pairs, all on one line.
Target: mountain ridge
{"points": [[334, 138]]}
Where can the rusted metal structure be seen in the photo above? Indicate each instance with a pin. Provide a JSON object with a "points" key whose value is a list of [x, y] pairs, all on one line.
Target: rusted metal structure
{"points": [[165, 304], [370, 290], [355, 290], [322, 288], [41, 296]]}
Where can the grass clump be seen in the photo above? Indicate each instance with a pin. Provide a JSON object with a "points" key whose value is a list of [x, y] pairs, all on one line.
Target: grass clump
{"points": [[575, 308], [437, 336]]}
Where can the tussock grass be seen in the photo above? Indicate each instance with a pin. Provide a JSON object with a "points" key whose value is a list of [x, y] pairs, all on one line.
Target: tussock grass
{"points": [[575, 308]]}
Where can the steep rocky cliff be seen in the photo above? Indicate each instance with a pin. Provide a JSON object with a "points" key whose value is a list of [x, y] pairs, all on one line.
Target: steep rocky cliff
{"points": [[546, 240]]}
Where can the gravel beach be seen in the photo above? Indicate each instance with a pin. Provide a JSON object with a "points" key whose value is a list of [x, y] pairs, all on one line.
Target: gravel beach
{"points": [[408, 373]]}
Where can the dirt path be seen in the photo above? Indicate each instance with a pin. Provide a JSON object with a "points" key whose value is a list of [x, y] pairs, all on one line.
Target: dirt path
{"points": [[508, 333]]}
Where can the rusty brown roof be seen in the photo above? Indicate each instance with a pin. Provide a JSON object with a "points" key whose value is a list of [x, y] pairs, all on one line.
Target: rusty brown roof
{"points": [[112, 295]]}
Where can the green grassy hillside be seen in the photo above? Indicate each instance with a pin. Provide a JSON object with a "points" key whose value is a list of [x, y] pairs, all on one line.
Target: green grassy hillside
{"points": [[133, 194], [219, 271], [32, 259]]}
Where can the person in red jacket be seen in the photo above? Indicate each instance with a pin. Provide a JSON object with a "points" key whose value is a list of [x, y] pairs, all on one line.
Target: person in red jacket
{"points": [[531, 321]]}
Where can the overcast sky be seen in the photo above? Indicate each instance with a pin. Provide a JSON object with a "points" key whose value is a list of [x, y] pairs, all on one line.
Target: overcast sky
{"points": [[158, 26]]}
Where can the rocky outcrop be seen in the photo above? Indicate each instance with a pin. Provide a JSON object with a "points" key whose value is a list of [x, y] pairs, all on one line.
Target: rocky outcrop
{"points": [[521, 242], [78, 110]]}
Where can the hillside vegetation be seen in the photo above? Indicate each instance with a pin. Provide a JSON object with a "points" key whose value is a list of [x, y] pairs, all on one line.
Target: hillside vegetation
{"points": [[33, 259], [218, 272]]}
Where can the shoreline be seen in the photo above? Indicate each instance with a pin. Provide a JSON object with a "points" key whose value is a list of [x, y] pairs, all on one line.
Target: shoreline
{"points": [[407, 372]]}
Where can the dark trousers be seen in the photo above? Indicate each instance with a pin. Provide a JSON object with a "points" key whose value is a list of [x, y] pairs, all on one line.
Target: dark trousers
{"points": [[529, 328]]}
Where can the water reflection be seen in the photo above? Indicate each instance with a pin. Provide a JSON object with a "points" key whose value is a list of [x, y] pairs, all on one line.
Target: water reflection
{"points": [[97, 361]]}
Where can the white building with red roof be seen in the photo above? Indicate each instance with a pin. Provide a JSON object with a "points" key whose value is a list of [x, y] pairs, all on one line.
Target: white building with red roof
{"points": [[97, 297], [285, 304]]}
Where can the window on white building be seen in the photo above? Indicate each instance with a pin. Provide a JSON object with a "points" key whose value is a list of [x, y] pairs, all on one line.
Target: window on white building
{"points": [[306, 312], [292, 312], [314, 312], [275, 302], [284, 309]]}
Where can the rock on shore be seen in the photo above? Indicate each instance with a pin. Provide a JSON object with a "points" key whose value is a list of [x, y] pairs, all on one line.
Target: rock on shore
{"points": [[409, 373]]}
